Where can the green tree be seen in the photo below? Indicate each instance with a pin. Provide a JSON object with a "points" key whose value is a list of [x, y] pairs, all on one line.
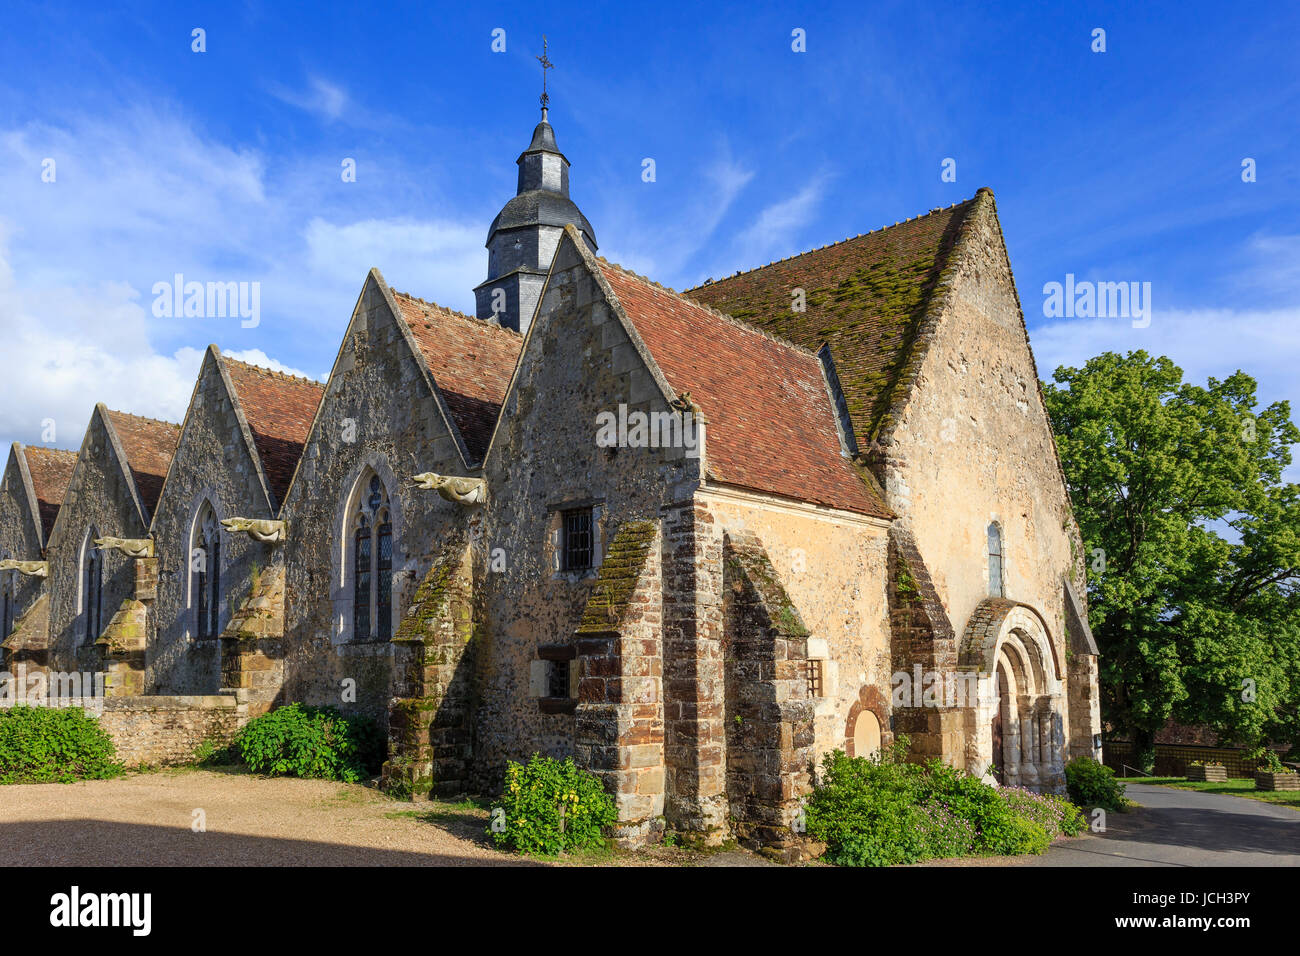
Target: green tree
{"points": [[1194, 545]]}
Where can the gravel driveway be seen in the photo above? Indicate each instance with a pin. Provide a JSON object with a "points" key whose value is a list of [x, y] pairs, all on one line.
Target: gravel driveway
{"points": [[146, 820]]}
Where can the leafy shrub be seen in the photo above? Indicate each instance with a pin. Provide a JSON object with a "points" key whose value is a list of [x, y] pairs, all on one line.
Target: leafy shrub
{"points": [[1091, 784], [1056, 815], [1270, 762], [883, 811], [943, 833], [53, 745], [548, 806], [314, 742], [864, 810]]}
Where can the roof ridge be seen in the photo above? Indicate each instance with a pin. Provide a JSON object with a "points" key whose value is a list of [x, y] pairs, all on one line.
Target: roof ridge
{"points": [[450, 311], [829, 245], [273, 372], [143, 418], [46, 448], [705, 307]]}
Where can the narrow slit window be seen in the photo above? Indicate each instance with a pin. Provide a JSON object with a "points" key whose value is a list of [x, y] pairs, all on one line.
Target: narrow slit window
{"points": [[995, 561]]}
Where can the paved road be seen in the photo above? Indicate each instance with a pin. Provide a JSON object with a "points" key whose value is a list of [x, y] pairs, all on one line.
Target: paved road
{"points": [[1186, 828]]}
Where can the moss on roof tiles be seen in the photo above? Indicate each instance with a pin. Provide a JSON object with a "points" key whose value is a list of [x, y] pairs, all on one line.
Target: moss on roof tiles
{"points": [[865, 297]]}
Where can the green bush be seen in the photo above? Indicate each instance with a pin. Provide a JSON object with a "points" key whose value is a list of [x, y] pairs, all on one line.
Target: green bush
{"points": [[548, 806], [1268, 761], [864, 810], [314, 742], [1056, 815], [883, 811], [1091, 784], [53, 745]]}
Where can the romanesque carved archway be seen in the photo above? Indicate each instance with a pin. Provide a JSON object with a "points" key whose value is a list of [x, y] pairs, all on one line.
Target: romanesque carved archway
{"points": [[1020, 706]]}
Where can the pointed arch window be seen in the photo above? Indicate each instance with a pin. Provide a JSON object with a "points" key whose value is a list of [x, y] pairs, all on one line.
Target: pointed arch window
{"points": [[92, 588], [372, 563], [996, 561], [205, 574]]}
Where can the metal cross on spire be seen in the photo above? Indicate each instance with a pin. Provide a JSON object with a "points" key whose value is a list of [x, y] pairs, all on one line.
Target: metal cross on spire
{"points": [[546, 65]]}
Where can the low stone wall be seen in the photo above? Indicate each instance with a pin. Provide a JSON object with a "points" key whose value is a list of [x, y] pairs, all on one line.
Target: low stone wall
{"points": [[161, 731], [164, 731]]}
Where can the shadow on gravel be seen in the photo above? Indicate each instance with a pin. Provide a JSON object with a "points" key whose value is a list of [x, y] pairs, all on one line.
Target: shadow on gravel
{"points": [[107, 843]]}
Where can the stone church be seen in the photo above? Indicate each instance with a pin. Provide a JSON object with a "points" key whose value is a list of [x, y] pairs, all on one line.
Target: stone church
{"points": [[693, 540]]}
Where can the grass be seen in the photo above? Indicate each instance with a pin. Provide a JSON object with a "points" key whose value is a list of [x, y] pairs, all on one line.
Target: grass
{"points": [[1233, 787]]}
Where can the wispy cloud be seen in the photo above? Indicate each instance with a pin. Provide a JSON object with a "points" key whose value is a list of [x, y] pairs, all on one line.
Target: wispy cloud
{"points": [[777, 227], [321, 97], [668, 247]]}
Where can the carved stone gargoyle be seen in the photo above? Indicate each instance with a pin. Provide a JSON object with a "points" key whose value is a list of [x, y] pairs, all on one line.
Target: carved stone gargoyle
{"points": [[131, 547], [35, 569], [464, 491], [259, 529]]}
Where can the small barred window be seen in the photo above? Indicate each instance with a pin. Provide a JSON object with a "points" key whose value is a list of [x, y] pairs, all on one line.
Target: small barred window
{"points": [[576, 545], [557, 679], [815, 672]]}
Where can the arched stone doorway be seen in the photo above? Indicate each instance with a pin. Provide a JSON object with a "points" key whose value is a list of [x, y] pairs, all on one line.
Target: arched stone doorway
{"points": [[1015, 730]]}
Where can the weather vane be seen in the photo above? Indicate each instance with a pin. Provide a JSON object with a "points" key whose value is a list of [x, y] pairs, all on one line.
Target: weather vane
{"points": [[546, 65]]}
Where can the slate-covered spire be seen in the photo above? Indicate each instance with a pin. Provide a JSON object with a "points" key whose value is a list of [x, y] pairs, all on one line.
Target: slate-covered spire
{"points": [[523, 237]]}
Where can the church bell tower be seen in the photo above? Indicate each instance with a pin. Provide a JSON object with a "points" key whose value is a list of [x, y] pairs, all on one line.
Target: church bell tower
{"points": [[523, 237]]}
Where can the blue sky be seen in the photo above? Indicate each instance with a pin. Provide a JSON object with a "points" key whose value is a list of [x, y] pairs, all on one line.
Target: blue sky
{"points": [[225, 165]]}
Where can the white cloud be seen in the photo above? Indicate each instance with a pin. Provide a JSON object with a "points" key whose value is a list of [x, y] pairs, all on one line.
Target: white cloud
{"points": [[440, 261], [73, 347], [777, 226], [1263, 343], [142, 194], [675, 243], [262, 360], [323, 98]]}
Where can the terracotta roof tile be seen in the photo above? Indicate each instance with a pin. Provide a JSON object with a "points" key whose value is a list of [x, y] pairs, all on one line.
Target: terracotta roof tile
{"points": [[279, 409], [149, 445], [470, 360], [865, 297], [51, 470], [770, 423]]}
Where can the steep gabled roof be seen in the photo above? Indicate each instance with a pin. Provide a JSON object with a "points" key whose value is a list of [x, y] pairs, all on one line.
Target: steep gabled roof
{"points": [[51, 470], [149, 445], [771, 426], [471, 362], [866, 297], [279, 409]]}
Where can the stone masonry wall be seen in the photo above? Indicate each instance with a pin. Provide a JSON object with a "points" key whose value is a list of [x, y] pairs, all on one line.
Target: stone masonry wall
{"points": [[619, 719], [98, 496], [578, 361], [973, 446], [19, 537], [378, 413], [769, 709], [212, 464], [164, 731], [833, 568]]}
